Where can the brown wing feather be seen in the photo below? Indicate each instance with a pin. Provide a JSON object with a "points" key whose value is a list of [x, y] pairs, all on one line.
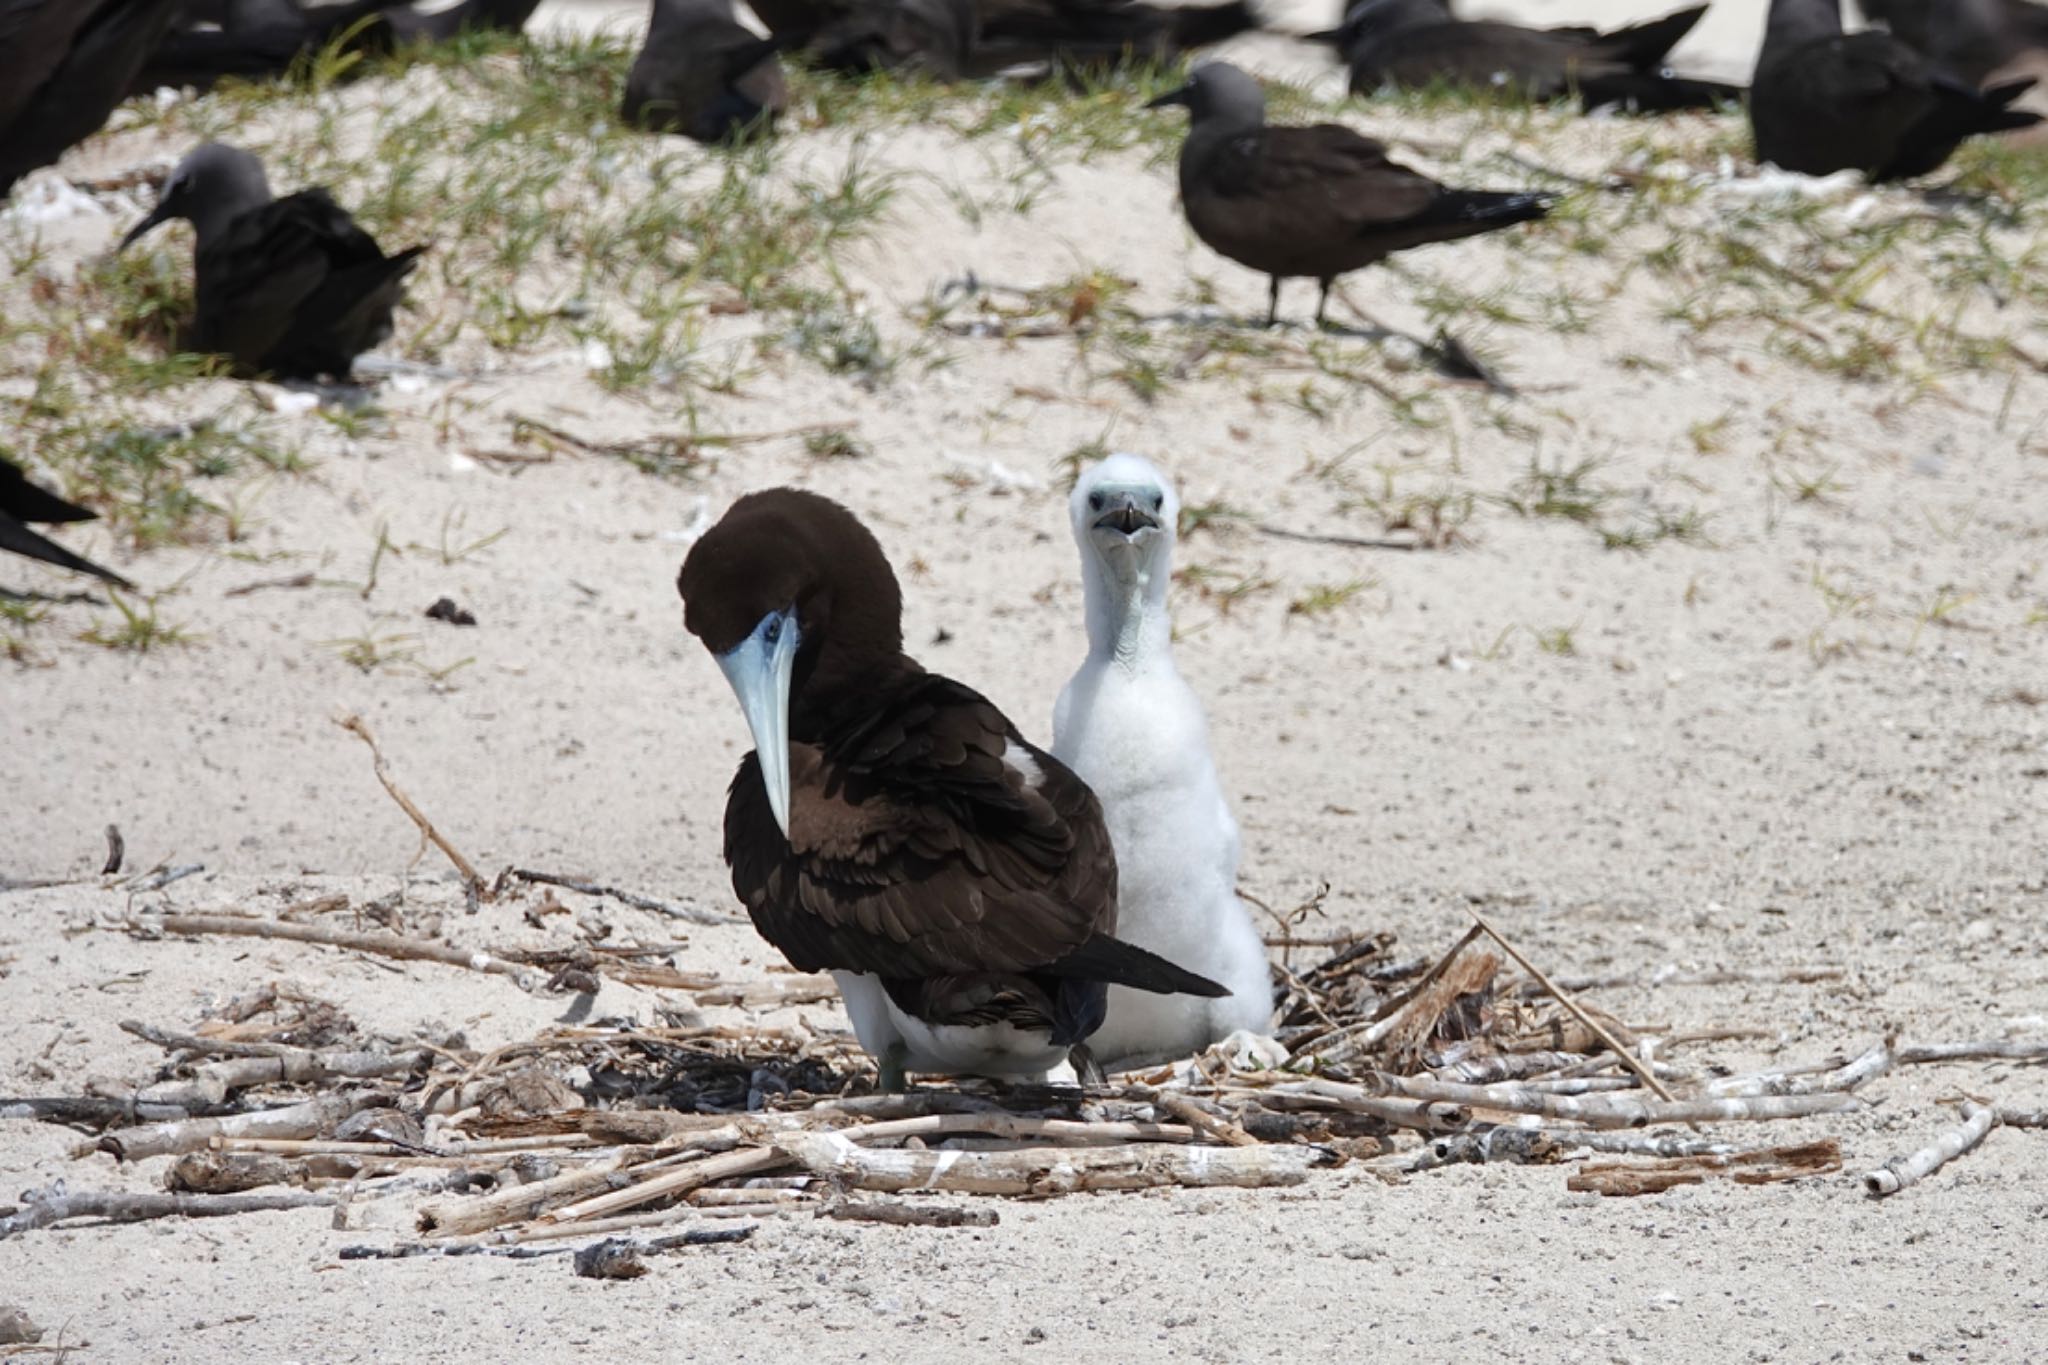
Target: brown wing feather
{"points": [[915, 849], [1326, 177]]}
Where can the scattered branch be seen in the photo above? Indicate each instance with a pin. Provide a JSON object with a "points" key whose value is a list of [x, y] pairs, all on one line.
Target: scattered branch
{"points": [[1898, 1173], [428, 834]]}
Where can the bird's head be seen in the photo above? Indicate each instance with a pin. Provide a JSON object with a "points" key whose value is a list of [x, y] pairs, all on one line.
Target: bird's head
{"points": [[1368, 21], [795, 600], [207, 189], [1220, 92], [1124, 514]]}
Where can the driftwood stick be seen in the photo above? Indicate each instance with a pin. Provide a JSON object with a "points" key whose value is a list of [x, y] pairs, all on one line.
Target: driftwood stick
{"points": [[898, 1213], [1423, 1115], [89, 1110], [42, 1208], [212, 1082], [353, 723], [1671, 976], [725, 1166], [1766, 1166], [638, 902], [1876, 1062], [1899, 1172], [1615, 1111], [774, 993], [1504, 1066], [377, 944], [309, 1119], [1201, 1120], [1047, 1170], [1999, 1050], [458, 1217], [1564, 998], [511, 1250]]}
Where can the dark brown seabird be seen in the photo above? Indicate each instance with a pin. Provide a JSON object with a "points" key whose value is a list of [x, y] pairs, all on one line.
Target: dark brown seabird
{"points": [[703, 73], [1317, 201], [253, 40], [1970, 39], [1413, 44], [892, 826], [288, 287], [64, 65], [1823, 101], [22, 502]]}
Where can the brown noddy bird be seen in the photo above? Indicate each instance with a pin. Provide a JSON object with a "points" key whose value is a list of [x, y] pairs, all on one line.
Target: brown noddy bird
{"points": [[1824, 101], [1413, 44], [1318, 201], [1970, 39], [251, 40], [959, 39], [892, 826], [288, 287], [703, 74], [22, 502], [64, 65]]}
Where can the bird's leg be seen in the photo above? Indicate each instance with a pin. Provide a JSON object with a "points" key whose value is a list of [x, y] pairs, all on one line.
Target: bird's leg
{"points": [[892, 1066], [1086, 1070], [1273, 303], [1323, 299]]}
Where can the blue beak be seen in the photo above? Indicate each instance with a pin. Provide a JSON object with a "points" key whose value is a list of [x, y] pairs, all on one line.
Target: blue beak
{"points": [[758, 668]]}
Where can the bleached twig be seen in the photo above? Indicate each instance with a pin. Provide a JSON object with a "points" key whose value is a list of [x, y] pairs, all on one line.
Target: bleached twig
{"points": [[353, 723], [1047, 1170], [42, 1208], [1898, 1173], [378, 944], [305, 1120], [1615, 1111]]}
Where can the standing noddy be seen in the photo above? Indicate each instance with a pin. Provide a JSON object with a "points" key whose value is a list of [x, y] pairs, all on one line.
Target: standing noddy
{"points": [[1970, 39], [1133, 730], [1823, 101], [22, 502], [703, 73], [892, 826], [64, 66], [288, 287], [1317, 201], [254, 40], [1413, 44]]}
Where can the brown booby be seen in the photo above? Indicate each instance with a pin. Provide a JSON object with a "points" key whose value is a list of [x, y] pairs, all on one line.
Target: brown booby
{"points": [[1133, 730], [703, 73], [288, 287], [1318, 201], [1414, 44], [64, 65], [892, 826], [1824, 101], [22, 502]]}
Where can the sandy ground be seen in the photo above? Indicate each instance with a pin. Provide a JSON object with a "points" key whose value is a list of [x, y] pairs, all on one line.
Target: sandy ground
{"points": [[1813, 736]]}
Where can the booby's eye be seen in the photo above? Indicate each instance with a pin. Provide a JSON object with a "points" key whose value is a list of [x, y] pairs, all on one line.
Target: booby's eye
{"points": [[1095, 502], [774, 631]]}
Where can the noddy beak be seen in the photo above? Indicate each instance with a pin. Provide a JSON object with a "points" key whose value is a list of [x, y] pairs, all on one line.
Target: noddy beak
{"points": [[758, 668], [1179, 96], [1126, 516], [141, 229]]}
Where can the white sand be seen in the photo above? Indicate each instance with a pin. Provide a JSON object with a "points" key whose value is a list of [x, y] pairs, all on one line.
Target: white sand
{"points": [[1764, 751]]}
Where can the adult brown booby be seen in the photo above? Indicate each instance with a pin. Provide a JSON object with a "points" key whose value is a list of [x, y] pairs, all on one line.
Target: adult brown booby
{"points": [[892, 826]]}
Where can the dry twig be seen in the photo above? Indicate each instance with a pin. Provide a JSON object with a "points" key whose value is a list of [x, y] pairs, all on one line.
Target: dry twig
{"points": [[1899, 1172], [353, 723]]}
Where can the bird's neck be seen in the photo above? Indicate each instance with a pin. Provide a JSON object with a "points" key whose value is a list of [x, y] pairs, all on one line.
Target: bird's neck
{"points": [[1794, 22], [1128, 627], [842, 692], [1210, 137]]}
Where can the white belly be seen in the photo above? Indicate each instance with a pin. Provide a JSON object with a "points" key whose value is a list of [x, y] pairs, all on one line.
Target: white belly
{"points": [[1000, 1051]]}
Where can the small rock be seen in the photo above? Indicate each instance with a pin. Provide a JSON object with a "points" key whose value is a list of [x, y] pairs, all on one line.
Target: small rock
{"points": [[612, 1259], [444, 609], [16, 1328]]}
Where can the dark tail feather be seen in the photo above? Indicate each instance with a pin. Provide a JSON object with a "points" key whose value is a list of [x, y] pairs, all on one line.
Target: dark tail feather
{"points": [[22, 541], [1110, 960], [744, 58], [1961, 112], [1485, 209], [1198, 27], [1654, 92], [1644, 44], [1997, 117]]}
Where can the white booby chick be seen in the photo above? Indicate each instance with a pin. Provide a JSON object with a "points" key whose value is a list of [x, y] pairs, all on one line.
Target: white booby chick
{"points": [[1132, 729]]}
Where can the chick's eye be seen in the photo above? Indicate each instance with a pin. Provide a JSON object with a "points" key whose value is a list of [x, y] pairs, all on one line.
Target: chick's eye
{"points": [[1095, 501], [1158, 501]]}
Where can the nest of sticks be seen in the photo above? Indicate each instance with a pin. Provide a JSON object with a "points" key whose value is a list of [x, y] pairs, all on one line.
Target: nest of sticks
{"points": [[632, 1137]]}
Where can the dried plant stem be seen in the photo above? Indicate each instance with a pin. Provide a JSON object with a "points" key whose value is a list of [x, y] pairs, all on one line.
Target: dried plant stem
{"points": [[305, 1120], [1767, 1166], [353, 723], [42, 1208], [1046, 1170], [1615, 1111], [1564, 998], [375, 943], [1900, 1172]]}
